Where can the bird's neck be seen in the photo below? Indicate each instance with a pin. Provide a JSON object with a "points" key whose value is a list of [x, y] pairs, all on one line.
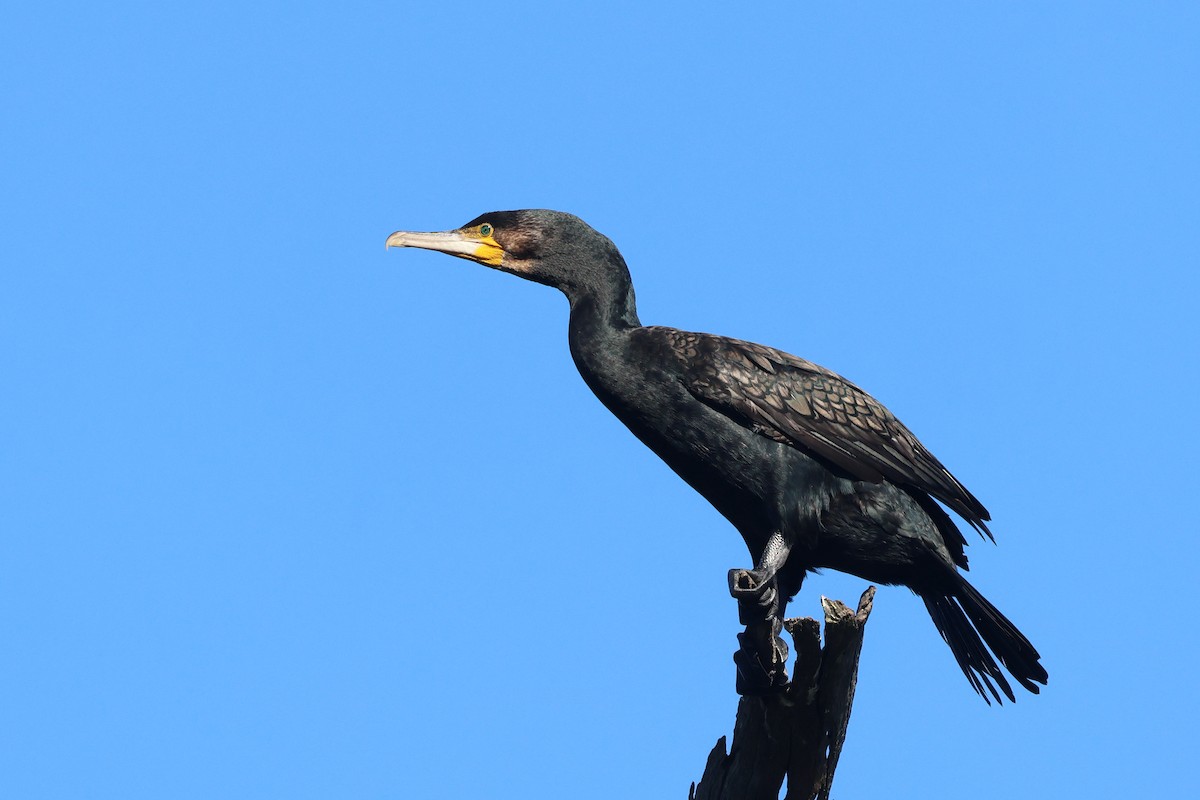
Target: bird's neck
{"points": [[610, 308], [599, 322]]}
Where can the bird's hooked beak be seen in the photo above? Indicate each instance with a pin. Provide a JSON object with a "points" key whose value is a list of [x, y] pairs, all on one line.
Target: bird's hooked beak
{"points": [[470, 243]]}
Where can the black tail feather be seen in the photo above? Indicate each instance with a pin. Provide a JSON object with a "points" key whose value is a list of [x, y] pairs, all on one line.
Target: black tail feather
{"points": [[962, 617]]}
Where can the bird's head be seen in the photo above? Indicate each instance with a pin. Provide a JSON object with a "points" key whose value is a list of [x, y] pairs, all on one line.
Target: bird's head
{"points": [[549, 247]]}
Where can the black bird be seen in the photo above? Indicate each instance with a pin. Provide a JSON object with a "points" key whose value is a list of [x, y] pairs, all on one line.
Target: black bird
{"points": [[811, 470]]}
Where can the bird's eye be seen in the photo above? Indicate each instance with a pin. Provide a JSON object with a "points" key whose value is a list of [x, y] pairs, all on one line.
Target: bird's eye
{"points": [[485, 230]]}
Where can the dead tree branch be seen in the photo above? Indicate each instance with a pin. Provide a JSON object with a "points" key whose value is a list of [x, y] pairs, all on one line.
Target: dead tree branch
{"points": [[797, 733]]}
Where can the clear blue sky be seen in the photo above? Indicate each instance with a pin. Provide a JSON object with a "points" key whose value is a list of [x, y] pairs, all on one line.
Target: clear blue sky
{"points": [[280, 509]]}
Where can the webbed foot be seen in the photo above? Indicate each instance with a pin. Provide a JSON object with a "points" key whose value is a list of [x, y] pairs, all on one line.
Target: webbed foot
{"points": [[761, 660], [757, 596]]}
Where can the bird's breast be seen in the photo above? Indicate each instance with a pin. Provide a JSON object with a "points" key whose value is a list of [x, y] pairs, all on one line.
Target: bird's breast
{"points": [[736, 470]]}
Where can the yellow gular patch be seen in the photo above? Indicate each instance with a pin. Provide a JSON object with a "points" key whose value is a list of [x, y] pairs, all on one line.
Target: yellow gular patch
{"points": [[488, 252]]}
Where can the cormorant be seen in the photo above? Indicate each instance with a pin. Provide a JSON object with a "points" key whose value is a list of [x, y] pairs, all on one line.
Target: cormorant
{"points": [[811, 470]]}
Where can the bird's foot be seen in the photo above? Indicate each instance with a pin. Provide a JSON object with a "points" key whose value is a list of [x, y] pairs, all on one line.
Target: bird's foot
{"points": [[757, 596], [761, 657], [761, 660]]}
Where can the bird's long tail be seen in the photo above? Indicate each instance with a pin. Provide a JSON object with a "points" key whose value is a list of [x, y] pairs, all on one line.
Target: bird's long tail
{"points": [[962, 617]]}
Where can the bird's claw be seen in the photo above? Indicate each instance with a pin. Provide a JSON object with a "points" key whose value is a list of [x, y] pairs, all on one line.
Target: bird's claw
{"points": [[757, 599], [761, 657], [761, 666]]}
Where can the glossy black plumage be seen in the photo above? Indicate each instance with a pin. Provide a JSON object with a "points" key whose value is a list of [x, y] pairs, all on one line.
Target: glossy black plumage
{"points": [[811, 470]]}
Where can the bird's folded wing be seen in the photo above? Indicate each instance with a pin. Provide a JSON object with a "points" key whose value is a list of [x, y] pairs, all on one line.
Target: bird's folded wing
{"points": [[802, 404]]}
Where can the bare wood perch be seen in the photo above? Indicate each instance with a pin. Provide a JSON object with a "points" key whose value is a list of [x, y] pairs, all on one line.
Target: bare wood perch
{"points": [[797, 733]]}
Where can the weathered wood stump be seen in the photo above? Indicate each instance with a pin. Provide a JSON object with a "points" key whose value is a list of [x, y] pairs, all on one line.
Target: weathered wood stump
{"points": [[798, 732]]}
